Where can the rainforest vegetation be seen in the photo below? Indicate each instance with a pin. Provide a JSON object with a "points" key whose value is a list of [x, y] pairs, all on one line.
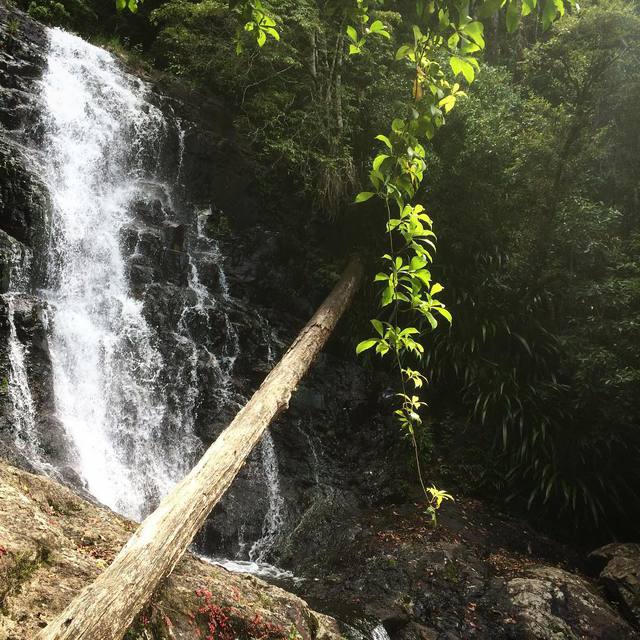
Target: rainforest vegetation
{"points": [[534, 192]]}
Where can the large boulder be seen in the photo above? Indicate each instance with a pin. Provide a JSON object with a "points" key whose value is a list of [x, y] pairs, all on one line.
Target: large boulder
{"points": [[549, 603], [52, 543], [619, 566]]}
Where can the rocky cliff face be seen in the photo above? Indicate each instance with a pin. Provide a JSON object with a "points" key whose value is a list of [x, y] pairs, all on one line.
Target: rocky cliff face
{"points": [[24, 206]]}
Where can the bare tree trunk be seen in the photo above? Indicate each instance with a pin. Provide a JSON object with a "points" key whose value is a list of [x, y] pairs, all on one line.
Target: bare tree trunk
{"points": [[314, 56], [105, 609], [339, 120]]}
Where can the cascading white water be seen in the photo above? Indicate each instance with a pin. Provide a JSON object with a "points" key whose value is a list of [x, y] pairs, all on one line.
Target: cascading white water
{"points": [[131, 423], [231, 351], [18, 387], [274, 518], [24, 412], [98, 129], [379, 633]]}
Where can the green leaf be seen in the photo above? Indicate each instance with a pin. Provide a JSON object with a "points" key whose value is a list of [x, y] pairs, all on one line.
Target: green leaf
{"points": [[447, 103], [378, 27], [432, 321], [365, 344], [445, 313], [385, 140], [353, 49], [377, 325], [382, 347], [363, 196], [475, 30], [417, 262], [513, 15], [436, 288], [352, 33], [379, 160], [261, 38], [462, 66], [489, 7], [549, 12], [398, 125], [387, 296], [403, 51]]}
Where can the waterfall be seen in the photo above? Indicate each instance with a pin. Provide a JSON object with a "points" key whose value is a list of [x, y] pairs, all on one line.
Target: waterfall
{"points": [[17, 382], [274, 518], [127, 387], [24, 412], [379, 633], [209, 247], [366, 629], [99, 131]]}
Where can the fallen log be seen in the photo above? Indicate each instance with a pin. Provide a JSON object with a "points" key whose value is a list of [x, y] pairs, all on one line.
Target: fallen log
{"points": [[106, 608]]}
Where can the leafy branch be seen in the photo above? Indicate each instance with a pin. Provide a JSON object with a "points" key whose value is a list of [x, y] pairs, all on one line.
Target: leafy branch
{"points": [[442, 30]]}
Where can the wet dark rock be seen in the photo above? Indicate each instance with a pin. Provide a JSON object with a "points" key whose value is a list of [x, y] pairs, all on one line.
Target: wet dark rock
{"points": [[23, 199], [56, 444], [175, 267], [11, 252], [174, 236], [141, 275], [413, 631], [619, 573], [210, 275], [22, 49], [149, 211], [31, 327], [468, 577]]}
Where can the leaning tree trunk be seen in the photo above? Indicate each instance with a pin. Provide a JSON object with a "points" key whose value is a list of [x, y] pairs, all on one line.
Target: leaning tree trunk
{"points": [[105, 609]]}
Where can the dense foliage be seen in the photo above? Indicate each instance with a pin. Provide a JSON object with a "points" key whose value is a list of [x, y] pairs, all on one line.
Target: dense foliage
{"points": [[540, 245], [533, 185]]}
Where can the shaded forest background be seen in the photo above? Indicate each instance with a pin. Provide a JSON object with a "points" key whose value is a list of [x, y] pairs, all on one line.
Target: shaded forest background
{"points": [[534, 186]]}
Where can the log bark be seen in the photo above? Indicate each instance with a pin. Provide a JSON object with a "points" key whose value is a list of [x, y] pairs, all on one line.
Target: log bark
{"points": [[106, 608]]}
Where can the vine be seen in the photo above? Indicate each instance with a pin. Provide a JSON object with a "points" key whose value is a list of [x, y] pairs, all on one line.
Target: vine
{"points": [[443, 30]]}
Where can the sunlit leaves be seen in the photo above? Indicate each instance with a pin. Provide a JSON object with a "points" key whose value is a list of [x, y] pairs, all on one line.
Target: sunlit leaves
{"points": [[131, 5], [551, 9], [441, 30], [378, 28], [437, 496], [363, 196], [386, 141], [464, 66], [475, 31], [255, 21]]}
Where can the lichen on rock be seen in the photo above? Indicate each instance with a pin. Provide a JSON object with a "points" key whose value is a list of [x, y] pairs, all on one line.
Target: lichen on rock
{"points": [[53, 543]]}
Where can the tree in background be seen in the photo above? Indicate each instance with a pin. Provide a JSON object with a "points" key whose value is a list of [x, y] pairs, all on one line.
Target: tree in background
{"points": [[540, 249]]}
